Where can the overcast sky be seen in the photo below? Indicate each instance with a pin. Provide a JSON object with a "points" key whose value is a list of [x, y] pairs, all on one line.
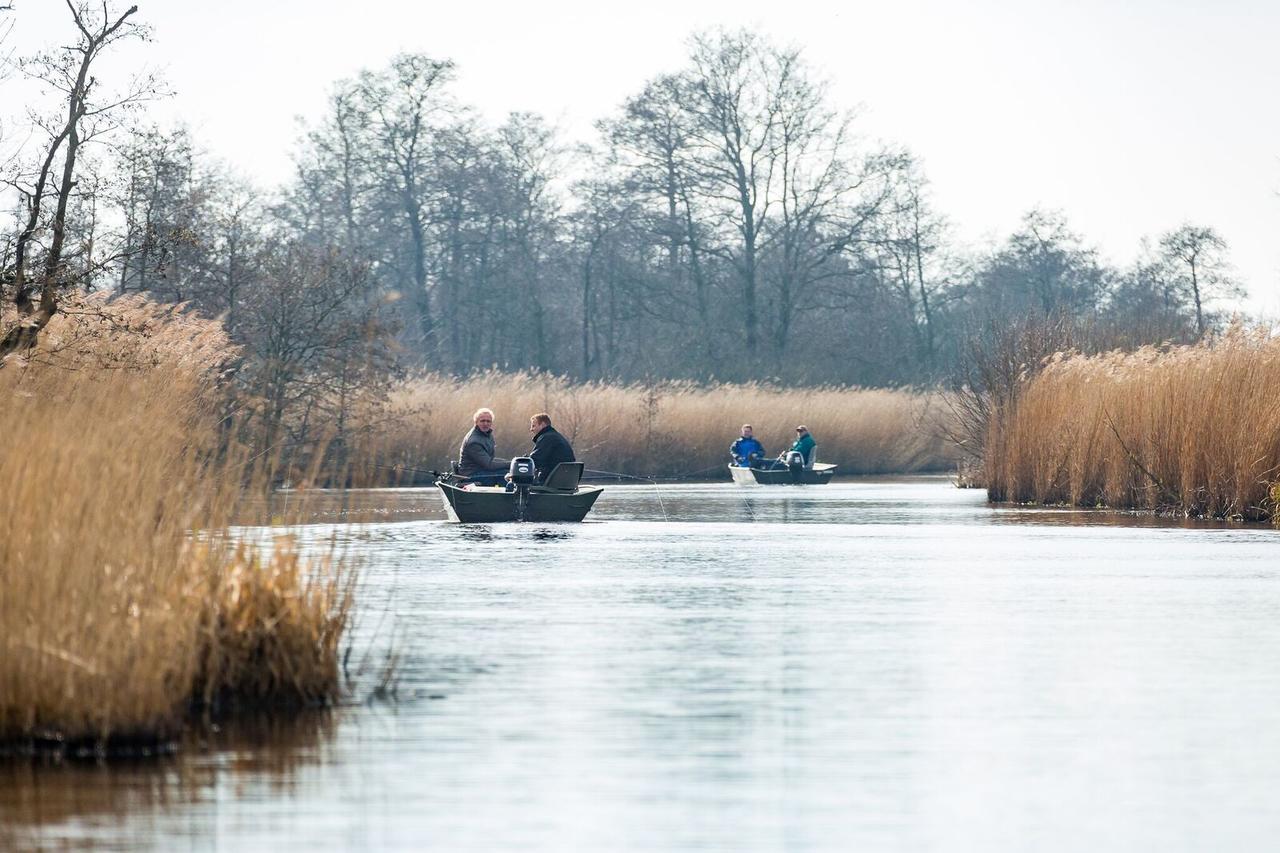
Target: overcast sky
{"points": [[1131, 117]]}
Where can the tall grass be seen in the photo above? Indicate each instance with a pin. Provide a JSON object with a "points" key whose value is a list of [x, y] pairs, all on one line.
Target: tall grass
{"points": [[1193, 429], [668, 429], [122, 603]]}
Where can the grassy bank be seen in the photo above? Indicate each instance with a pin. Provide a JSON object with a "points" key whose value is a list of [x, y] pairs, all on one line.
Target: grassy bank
{"points": [[1192, 430], [669, 429], [115, 622]]}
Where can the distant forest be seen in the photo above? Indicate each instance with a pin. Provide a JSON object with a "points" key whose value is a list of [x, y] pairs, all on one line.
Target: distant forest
{"points": [[727, 222]]}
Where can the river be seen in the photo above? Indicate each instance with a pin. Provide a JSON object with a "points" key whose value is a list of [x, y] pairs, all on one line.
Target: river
{"points": [[877, 664]]}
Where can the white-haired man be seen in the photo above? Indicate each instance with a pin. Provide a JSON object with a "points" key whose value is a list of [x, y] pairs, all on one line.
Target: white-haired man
{"points": [[475, 458]]}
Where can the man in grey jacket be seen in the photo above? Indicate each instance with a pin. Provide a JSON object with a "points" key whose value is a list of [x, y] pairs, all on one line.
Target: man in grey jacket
{"points": [[475, 458]]}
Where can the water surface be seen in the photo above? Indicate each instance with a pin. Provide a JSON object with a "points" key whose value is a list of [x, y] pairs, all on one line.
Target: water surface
{"points": [[876, 664]]}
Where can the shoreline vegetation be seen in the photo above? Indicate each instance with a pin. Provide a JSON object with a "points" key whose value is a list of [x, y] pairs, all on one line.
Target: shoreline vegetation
{"points": [[1190, 430], [666, 429], [126, 610], [175, 342]]}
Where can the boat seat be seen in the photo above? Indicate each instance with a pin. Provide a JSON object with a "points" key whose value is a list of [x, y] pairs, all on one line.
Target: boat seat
{"points": [[563, 478]]}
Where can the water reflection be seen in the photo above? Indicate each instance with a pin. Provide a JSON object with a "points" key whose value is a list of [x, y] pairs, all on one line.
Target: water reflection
{"points": [[78, 805], [549, 534], [476, 533], [854, 500], [874, 664]]}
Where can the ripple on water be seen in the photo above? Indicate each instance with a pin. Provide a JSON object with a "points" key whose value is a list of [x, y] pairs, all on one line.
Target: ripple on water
{"points": [[875, 664]]}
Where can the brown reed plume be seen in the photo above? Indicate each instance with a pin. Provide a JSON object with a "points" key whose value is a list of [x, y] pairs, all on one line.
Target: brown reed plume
{"points": [[1192, 430], [122, 602], [666, 429]]}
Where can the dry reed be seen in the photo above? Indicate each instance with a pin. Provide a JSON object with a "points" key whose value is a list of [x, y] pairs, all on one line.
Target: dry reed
{"points": [[1193, 429], [115, 620], [669, 429]]}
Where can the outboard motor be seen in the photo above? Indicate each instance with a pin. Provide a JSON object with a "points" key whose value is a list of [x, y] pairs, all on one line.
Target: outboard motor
{"points": [[522, 471], [795, 464]]}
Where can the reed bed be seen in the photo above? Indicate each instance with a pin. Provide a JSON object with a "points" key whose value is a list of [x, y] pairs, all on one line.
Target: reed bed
{"points": [[116, 620], [670, 429], [1192, 430]]}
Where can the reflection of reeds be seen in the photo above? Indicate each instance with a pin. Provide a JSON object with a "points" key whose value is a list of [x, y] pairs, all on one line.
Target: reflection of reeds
{"points": [[36, 799], [1191, 429], [666, 429], [114, 619]]}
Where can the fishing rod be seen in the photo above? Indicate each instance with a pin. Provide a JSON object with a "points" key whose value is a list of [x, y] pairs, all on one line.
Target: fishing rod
{"points": [[619, 476], [412, 470], [614, 475]]}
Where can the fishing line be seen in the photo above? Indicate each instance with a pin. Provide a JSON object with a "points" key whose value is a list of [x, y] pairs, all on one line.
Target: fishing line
{"points": [[656, 489], [411, 470], [681, 477], [691, 474]]}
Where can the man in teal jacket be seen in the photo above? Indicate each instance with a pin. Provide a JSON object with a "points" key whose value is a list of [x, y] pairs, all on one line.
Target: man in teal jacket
{"points": [[805, 445]]}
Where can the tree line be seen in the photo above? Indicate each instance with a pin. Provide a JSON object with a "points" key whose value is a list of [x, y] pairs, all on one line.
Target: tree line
{"points": [[727, 221]]}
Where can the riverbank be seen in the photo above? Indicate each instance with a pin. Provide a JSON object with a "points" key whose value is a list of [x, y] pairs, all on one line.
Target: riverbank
{"points": [[669, 429], [1191, 430], [116, 624]]}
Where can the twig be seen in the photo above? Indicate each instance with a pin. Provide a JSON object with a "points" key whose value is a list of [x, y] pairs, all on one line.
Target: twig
{"points": [[1164, 490]]}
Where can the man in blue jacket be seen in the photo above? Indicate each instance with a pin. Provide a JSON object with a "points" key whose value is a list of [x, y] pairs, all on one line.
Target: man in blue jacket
{"points": [[746, 450]]}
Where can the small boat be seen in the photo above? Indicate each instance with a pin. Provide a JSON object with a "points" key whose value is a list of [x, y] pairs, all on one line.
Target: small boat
{"points": [[558, 498], [783, 473]]}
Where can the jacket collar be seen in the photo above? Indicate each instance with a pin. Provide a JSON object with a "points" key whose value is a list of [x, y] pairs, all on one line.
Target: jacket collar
{"points": [[546, 429]]}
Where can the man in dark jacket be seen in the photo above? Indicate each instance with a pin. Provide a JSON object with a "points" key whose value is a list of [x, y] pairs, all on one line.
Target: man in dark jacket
{"points": [[475, 458], [550, 448]]}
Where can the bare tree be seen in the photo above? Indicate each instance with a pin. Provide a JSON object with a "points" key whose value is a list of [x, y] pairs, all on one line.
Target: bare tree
{"points": [[88, 115], [651, 146], [404, 106], [828, 199], [999, 356], [1200, 254], [164, 198], [735, 117], [1044, 269], [1149, 303], [908, 248], [314, 335], [777, 181], [6, 53]]}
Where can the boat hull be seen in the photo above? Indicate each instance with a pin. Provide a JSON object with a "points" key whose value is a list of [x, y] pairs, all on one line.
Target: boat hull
{"points": [[818, 475], [494, 505]]}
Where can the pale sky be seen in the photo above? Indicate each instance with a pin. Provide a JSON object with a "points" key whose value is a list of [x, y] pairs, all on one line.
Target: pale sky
{"points": [[1131, 117]]}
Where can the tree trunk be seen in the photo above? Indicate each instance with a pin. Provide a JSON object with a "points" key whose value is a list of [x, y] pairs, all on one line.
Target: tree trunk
{"points": [[1195, 290]]}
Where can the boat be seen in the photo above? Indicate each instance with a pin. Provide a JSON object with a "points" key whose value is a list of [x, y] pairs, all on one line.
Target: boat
{"points": [[792, 471], [558, 498]]}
